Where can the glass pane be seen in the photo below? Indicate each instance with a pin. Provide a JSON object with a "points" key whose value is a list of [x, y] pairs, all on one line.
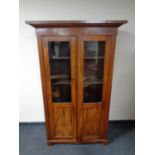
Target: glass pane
{"points": [[94, 48], [92, 93], [59, 49], [59, 58], [93, 70]]}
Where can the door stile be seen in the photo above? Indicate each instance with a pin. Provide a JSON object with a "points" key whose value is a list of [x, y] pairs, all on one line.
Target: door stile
{"points": [[73, 84], [80, 87]]}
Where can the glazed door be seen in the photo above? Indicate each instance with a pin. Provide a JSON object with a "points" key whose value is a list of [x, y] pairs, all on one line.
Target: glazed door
{"points": [[92, 85], [60, 67]]}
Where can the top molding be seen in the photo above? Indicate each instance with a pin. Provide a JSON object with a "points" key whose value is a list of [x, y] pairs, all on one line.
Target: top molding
{"points": [[76, 23]]}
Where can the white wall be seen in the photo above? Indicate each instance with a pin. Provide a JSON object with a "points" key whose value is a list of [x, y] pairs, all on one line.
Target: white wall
{"points": [[122, 99]]}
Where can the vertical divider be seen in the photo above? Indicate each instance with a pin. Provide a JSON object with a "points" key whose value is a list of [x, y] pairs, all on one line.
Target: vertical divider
{"points": [[73, 83], [80, 86]]}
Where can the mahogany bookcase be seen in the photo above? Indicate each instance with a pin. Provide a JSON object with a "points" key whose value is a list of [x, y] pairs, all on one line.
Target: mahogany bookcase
{"points": [[76, 63]]}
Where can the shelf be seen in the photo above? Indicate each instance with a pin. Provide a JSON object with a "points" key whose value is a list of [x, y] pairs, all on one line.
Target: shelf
{"points": [[60, 58], [93, 57], [92, 79], [93, 82], [68, 58], [62, 83], [59, 76]]}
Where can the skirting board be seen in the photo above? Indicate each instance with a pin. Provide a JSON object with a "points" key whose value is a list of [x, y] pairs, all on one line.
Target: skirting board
{"points": [[111, 121]]}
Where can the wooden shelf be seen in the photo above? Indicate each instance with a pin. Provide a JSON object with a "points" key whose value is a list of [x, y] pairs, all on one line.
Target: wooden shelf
{"points": [[93, 57], [86, 84], [93, 82], [59, 76], [60, 58], [62, 83]]}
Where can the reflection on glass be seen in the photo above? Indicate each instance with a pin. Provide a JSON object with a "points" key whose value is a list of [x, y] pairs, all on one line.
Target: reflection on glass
{"points": [[93, 70], [59, 58], [94, 49], [59, 49], [92, 93]]}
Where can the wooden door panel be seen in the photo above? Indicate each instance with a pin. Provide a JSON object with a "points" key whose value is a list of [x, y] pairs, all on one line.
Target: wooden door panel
{"points": [[92, 100], [92, 126], [60, 52], [63, 122]]}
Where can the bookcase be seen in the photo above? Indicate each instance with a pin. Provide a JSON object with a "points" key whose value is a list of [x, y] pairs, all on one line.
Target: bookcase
{"points": [[76, 64]]}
